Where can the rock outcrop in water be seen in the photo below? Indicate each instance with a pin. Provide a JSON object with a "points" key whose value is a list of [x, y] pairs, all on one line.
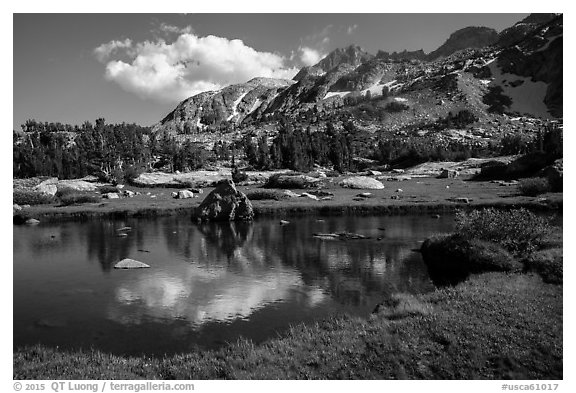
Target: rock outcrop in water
{"points": [[225, 203], [130, 264]]}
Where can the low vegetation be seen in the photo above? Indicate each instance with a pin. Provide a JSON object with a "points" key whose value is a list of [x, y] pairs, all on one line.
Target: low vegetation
{"points": [[518, 230], [23, 197], [548, 264], [451, 259], [534, 186], [107, 189], [266, 195], [79, 197]]}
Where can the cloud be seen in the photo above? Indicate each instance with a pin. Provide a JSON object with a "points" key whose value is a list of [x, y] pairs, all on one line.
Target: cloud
{"points": [[314, 47], [171, 72], [171, 29], [351, 29], [104, 51], [310, 56]]}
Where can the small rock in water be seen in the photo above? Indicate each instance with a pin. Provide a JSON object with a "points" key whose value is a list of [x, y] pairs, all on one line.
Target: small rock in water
{"points": [[395, 197], [122, 234], [399, 190], [381, 228], [32, 221], [143, 250], [435, 215], [130, 264], [284, 222], [340, 236], [364, 195], [124, 229]]}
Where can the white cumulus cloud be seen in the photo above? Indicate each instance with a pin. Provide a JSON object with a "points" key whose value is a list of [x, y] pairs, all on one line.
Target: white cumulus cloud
{"points": [[104, 51], [310, 56], [167, 28], [171, 72]]}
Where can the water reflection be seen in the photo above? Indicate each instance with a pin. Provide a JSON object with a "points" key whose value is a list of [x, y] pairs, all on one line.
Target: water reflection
{"points": [[206, 279]]}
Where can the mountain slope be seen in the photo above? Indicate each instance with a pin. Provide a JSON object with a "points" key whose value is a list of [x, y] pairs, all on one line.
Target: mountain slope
{"points": [[232, 104], [468, 37], [471, 72]]}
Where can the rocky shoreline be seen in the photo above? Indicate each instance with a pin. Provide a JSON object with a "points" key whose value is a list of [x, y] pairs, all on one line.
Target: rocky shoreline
{"points": [[552, 202]]}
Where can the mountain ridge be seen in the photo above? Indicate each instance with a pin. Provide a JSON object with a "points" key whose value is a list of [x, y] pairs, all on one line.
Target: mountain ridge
{"points": [[457, 74]]}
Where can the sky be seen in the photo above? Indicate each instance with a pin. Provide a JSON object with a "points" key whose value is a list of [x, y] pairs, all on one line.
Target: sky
{"points": [[137, 67]]}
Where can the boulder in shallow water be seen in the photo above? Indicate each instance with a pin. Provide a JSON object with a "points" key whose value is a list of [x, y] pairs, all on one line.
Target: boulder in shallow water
{"points": [[130, 264], [225, 203]]}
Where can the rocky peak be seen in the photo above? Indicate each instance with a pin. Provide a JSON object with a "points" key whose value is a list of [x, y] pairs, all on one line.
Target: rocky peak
{"points": [[468, 37], [404, 55], [352, 55], [524, 28]]}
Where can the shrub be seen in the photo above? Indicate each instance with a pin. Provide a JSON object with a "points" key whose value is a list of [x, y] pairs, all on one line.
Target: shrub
{"points": [[533, 186], [450, 259], [332, 173], [32, 198], [519, 231], [492, 170], [516, 143], [527, 165], [238, 175], [548, 264], [396, 106], [403, 305], [107, 189], [262, 195], [74, 197], [455, 252], [131, 172]]}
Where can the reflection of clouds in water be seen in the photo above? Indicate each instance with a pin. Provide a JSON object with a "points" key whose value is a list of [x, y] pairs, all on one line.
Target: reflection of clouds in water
{"points": [[201, 295], [315, 296]]}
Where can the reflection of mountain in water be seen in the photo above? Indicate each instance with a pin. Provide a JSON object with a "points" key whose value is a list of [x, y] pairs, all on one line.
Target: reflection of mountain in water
{"points": [[234, 269], [207, 283]]}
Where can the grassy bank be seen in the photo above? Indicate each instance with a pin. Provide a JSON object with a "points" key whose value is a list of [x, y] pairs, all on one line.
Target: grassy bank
{"points": [[493, 326], [423, 195]]}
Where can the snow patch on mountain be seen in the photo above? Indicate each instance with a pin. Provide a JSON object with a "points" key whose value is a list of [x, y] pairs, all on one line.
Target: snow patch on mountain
{"points": [[256, 105], [235, 106], [527, 97]]}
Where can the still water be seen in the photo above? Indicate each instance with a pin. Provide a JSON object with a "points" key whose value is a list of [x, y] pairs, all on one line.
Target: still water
{"points": [[208, 284]]}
